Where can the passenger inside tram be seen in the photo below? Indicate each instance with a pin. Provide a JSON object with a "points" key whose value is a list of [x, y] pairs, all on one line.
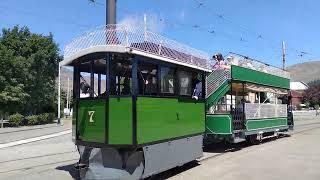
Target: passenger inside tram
{"points": [[197, 92]]}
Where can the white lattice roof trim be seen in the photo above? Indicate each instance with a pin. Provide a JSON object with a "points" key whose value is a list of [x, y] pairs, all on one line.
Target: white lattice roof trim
{"points": [[122, 38]]}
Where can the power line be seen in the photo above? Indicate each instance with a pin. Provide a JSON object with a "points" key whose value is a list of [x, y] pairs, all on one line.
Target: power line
{"points": [[213, 31], [244, 28]]}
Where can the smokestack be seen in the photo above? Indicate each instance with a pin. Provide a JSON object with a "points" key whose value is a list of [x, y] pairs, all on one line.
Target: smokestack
{"points": [[111, 11]]}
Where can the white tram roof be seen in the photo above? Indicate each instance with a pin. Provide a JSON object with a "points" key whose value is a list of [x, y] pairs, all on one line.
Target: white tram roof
{"points": [[134, 40]]}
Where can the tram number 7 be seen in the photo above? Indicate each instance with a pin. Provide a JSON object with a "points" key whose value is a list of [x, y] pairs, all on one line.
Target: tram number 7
{"points": [[90, 113]]}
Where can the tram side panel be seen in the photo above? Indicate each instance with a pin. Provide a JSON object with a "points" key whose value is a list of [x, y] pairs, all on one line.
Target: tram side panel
{"points": [[160, 119], [170, 130]]}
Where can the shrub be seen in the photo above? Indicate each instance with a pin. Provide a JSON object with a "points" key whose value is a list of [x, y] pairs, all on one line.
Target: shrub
{"points": [[51, 117], [43, 118], [15, 119], [33, 120]]}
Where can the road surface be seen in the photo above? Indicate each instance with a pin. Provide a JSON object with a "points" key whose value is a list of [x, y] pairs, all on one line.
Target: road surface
{"points": [[294, 157]]}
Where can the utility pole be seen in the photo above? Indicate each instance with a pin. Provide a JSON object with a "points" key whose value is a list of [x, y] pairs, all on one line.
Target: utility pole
{"points": [[283, 55]]}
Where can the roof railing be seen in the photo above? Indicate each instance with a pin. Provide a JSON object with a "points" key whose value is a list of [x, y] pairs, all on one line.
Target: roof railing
{"points": [[138, 39], [247, 62]]}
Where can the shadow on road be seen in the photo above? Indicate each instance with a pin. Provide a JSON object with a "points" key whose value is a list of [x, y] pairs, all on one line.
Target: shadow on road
{"points": [[224, 147], [229, 147], [71, 170], [175, 171], [211, 148]]}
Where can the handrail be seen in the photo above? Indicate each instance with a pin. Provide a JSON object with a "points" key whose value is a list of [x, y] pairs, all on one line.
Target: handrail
{"points": [[136, 38], [247, 62], [216, 79], [260, 111]]}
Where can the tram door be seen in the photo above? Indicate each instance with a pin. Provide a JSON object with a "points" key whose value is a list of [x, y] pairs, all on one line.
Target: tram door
{"points": [[91, 101], [104, 116]]}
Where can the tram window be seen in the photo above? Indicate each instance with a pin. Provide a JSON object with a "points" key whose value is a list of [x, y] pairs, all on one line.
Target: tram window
{"points": [[147, 78], [185, 83], [167, 80], [85, 82], [120, 77], [92, 78], [99, 70]]}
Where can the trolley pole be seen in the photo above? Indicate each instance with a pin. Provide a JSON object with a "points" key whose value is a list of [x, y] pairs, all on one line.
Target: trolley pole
{"points": [[283, 55], [111, 11]]}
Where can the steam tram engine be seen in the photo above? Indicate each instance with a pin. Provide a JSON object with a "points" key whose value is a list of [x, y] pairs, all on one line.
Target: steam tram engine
{"points": [[135, 112]]}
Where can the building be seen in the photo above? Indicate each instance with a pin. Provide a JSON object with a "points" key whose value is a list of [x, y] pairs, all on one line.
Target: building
{"points": [[297, 92]]}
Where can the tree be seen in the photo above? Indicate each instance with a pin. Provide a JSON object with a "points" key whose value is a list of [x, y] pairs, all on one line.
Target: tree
{"points": [[312, 94], [28, 69]]}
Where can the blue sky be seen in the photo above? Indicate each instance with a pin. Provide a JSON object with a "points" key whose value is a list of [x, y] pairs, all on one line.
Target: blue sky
{"points": [[250, 27]]}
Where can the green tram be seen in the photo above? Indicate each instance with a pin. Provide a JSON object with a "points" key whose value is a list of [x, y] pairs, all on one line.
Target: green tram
{"points": [[134, 115]]}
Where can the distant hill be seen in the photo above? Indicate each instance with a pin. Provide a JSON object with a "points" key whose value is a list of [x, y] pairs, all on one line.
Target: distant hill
{"points": [[306, 72]]}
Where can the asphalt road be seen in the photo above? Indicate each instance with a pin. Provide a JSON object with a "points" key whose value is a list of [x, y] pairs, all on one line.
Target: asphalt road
{"points": [[294, 157]]}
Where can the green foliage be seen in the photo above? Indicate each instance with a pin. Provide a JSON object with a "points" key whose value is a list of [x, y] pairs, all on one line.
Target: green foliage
{"points": [[307, 105], [312, 94], [316, 107], [44, 118], [15, 119], [33, 120], [28, 69]]}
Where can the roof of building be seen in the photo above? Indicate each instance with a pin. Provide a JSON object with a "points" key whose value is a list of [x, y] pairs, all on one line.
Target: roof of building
{"points": [[298, 86]]}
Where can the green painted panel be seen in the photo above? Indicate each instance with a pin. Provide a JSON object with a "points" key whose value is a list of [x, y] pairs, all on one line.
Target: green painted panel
{"points": [[221, 91], [259, 124], [120, 120], [253, 76], [91, 129], [165, 118], [218, 124]]}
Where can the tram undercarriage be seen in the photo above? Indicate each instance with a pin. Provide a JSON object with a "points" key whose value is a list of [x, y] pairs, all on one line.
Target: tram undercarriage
{"points": [[124, 163]]}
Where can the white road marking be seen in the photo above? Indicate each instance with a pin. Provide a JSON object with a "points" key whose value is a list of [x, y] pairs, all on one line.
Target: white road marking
{"points": [[25, 141]]}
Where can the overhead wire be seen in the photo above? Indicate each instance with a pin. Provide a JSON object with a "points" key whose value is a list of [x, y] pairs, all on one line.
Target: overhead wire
{"points": [[247, 30]]}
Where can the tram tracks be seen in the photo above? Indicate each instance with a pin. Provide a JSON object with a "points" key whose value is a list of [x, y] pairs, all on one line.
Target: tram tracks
{"points": [[41, 160], [222, 150], [54, 164], [299, 128], [40, 156]]}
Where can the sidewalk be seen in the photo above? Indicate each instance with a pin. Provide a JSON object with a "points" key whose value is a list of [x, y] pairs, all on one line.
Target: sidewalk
{"points": [[11, 134]]}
